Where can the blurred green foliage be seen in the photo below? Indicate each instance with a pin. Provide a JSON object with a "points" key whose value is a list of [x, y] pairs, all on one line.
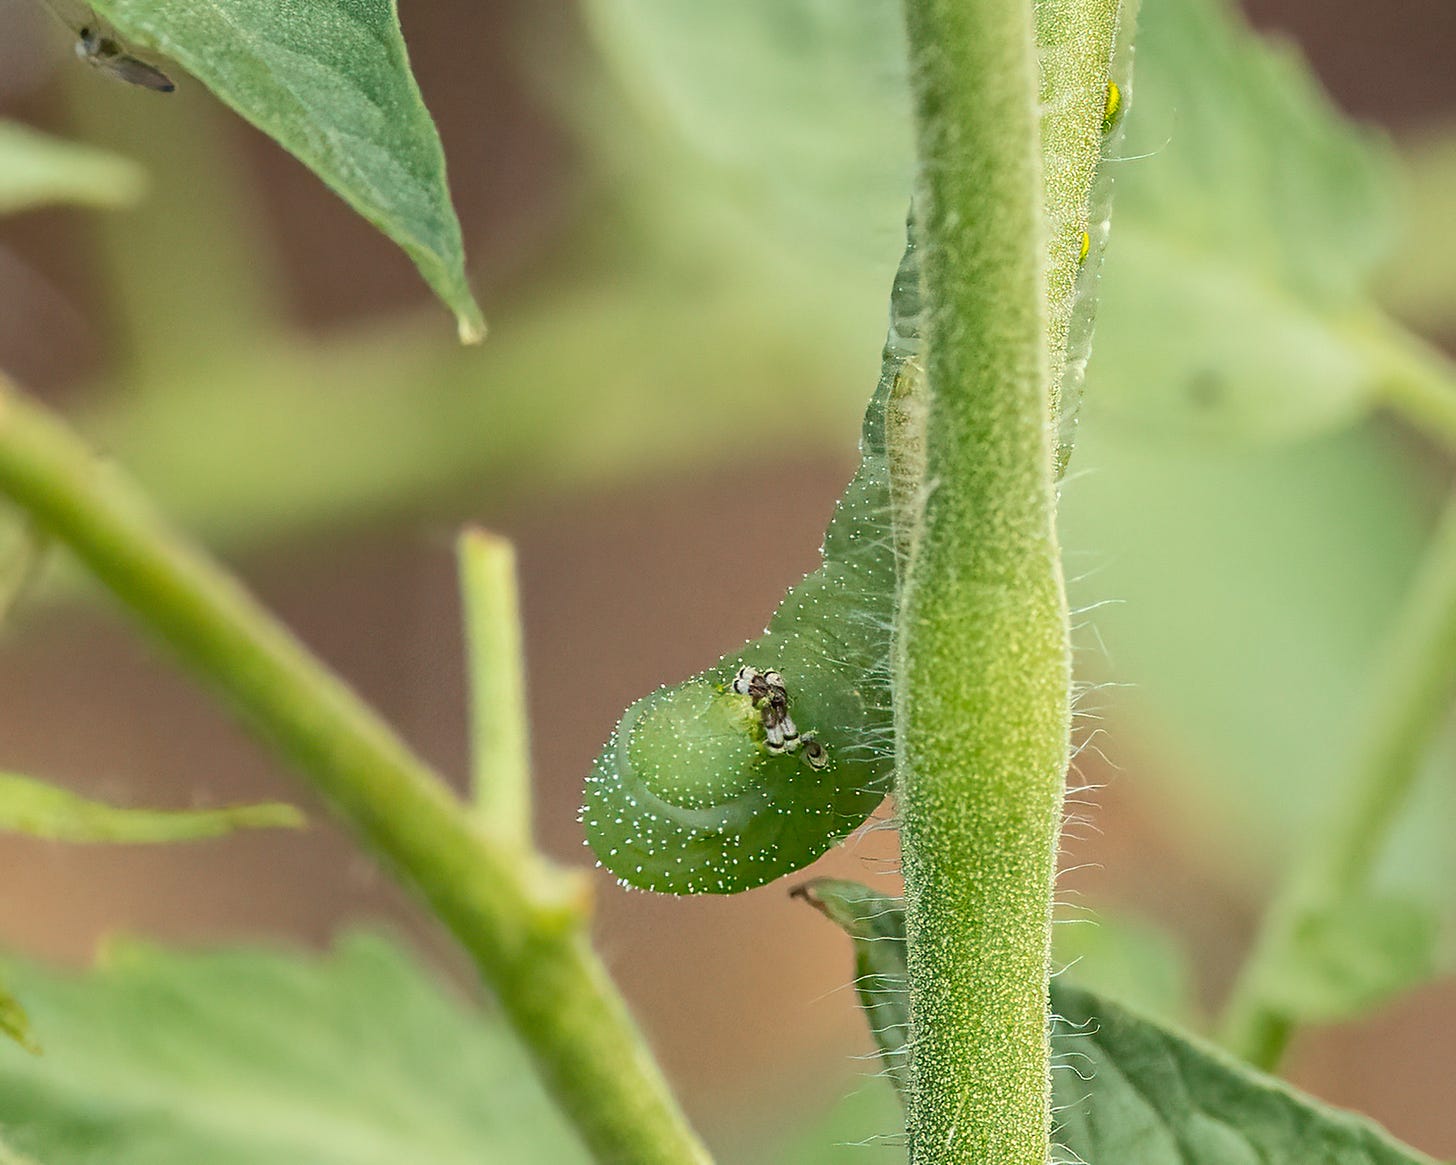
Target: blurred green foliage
{"points": [[15, 1023], [246, 1057], [1253, 578], [1245, 206], [800, 110], [1418, 285], [1248, 217], [1124, 958], [1246, 591], [37, 169]]}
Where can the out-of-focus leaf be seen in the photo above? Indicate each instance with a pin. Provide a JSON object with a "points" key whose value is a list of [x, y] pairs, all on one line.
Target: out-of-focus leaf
{"points": [[600, 380], [9, 1156], [1128, 960], [1419, 284], [801, 106], [331, 82], [1241, 594], [1248, 220], [246, 1058], [1127, 1089], [36, 170], [42, 810], [1348, 958], [190, 278], [1248, 214], [15, 1024], [866, 1127]]}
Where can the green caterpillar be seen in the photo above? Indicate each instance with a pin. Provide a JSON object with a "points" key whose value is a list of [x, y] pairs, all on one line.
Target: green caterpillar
{"points": [[704, 787], [1093, 239], [754, 768]]}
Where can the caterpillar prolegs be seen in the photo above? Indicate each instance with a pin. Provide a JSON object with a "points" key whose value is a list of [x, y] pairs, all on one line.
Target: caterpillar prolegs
{"points": [[729, 781]]}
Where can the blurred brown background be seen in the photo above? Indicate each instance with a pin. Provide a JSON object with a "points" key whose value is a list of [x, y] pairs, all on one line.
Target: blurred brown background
{"points": [[746, 998]]}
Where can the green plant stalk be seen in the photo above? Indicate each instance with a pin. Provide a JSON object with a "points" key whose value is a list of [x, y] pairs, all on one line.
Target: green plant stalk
{"points": [[982, 658], [1415, 379], [1410, 700], [522, 921], [499, 741]]}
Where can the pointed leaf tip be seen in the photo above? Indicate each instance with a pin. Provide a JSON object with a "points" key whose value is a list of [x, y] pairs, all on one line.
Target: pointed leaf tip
{"points": [[330, 81]]}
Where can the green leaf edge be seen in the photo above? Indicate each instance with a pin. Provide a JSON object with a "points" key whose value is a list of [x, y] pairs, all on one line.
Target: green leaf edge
{"points": [[446, 278], [875, 925]]}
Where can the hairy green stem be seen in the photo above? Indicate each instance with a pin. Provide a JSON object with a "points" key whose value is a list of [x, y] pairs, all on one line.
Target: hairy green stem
{"points": [[500, 744], [1011, 109], [1410, 700], [522, 921], [982, 660]]}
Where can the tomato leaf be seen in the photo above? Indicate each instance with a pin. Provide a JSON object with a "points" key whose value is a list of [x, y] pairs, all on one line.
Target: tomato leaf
{"points": [[329, 81]]}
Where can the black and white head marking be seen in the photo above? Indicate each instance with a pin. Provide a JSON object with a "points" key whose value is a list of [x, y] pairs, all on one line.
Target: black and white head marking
{"points": [[745, 680]]}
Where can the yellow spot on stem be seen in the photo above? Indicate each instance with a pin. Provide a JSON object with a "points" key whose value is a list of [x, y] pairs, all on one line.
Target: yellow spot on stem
{"points": [[1113, 109]]}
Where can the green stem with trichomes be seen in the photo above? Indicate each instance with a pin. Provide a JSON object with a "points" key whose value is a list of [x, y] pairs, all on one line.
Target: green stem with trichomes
{"points": [[523, 921], [1410, 700], [982, 659]]}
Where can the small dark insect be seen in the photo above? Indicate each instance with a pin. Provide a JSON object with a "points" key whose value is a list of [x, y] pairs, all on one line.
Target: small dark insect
{"points": [[105, 54]]}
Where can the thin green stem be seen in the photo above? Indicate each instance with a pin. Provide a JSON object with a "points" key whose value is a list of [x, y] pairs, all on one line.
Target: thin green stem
{"points": [[40, 809], [1415, 378], [22, 564], [521, 920], [1410, 700], [500, 745]]}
